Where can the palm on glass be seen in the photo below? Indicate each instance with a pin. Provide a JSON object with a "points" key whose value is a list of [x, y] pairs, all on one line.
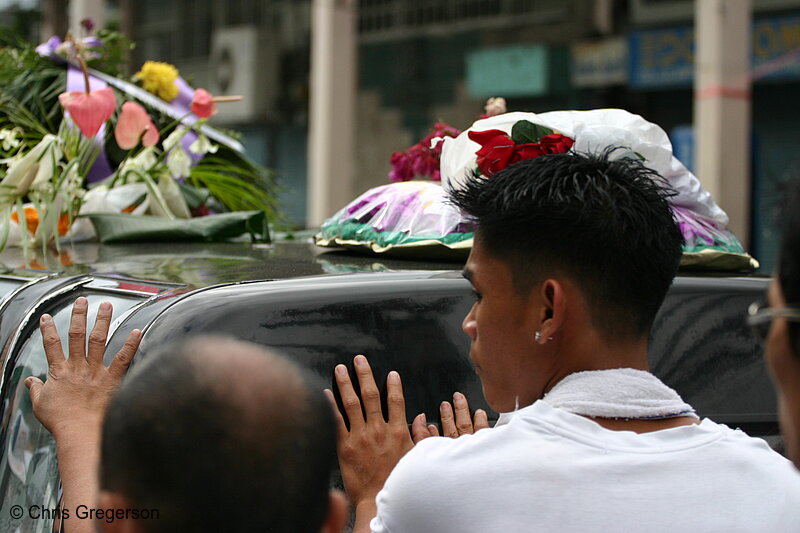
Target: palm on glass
{"points": [[78, 386]]}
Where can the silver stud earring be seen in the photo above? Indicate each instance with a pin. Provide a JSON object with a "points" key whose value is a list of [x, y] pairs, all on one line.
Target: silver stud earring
{"points": [[537, 337]]}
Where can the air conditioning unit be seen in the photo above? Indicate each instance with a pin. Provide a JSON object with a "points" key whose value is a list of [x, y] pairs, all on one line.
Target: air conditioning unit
{"points": [[244, 61]]}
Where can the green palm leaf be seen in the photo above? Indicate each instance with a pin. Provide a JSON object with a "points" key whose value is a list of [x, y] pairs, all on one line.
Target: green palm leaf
{"points": [[237, 183]]}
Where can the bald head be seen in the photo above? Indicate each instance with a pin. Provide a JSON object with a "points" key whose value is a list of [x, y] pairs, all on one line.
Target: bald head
{"points": [[220, 435], [246, 378]]}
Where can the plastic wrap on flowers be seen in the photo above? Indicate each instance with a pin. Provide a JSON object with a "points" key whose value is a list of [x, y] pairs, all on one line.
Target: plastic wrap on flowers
{"points": [[708, 244], [411, 219], [708, 247]]}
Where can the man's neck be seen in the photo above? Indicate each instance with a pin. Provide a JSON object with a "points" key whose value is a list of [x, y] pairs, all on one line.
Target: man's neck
{"points": [[593, 353], [644, 426]]}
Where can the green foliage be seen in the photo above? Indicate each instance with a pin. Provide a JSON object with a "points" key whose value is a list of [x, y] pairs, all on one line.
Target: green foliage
{"points": [[236, 182], [31, 85], [115, 54], [525, 132]]}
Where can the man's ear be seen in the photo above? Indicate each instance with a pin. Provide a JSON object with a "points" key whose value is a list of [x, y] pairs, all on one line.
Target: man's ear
{"points": [[552, 310], [338, 513], [115, 500]]}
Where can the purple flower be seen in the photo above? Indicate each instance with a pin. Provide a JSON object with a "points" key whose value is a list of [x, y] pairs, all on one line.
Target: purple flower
{"points": [[48, 48]]}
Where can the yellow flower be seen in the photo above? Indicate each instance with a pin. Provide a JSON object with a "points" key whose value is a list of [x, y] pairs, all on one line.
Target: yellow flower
{"points": [[159, 79]]}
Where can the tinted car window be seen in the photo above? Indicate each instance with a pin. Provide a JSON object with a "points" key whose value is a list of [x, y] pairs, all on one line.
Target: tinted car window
{"points": [[28, 467]]}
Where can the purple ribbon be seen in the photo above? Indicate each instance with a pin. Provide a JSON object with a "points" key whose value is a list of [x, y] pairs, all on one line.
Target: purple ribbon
{"points": [[183, 103]]}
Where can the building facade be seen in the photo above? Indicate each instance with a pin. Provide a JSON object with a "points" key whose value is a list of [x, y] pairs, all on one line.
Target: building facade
{"points": [[437, 60]]}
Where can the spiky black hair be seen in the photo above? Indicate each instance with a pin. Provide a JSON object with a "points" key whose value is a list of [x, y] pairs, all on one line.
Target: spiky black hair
{"points": [[604, 223]]}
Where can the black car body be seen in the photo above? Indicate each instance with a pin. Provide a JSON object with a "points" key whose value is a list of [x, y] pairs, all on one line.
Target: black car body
{"points": [[320, 308]]}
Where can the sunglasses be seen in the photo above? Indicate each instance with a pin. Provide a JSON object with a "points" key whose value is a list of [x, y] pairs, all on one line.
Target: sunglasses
{"points": [[760, 315]]}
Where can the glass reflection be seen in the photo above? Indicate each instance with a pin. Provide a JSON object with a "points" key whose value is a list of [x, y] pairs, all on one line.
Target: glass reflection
{"points": [[28, 466]]}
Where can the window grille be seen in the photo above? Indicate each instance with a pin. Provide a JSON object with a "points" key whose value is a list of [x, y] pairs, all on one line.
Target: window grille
{"points": [[386, 18]]}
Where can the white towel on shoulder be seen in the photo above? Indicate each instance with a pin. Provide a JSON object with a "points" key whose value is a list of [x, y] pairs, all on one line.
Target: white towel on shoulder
{"points": [[618, 393]]}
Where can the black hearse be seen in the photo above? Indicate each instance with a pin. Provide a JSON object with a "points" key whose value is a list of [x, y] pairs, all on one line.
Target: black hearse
{"points": [[321, 308]]}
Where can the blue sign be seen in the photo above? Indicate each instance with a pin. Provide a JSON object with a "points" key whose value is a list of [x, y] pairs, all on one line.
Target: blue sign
{"points": [[661, 58], [665, 58], [776, 48]]}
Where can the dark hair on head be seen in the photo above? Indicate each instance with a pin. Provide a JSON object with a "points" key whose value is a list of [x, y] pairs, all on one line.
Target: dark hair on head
{"points": [[789, 258], [604, 223], [212, 455]]}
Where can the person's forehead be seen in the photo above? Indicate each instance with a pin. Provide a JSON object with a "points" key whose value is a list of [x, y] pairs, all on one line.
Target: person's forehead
{"points": [[475, 263], [483, 267]]}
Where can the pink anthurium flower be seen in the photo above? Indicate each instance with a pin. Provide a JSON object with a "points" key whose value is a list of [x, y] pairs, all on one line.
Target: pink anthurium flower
{"points": [[134, 124], [203, 104], [89, 110]]}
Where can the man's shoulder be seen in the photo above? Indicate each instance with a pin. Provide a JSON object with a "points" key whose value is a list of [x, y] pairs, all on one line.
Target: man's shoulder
{"points": [[468, 454], [437, 475], [755, 451], [454, 458], [436, 450]]}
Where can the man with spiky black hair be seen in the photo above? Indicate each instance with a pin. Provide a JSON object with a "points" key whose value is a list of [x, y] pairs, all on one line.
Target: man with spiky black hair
{"points": [[573, 255]]}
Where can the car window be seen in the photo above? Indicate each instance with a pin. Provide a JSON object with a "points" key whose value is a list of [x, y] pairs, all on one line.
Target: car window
{"points": [[28, 468], [7, 286]]}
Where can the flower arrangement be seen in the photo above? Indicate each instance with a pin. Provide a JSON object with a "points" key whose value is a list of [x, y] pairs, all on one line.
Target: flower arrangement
{"points": [[104, 145], [415, 218], [408, 216]]}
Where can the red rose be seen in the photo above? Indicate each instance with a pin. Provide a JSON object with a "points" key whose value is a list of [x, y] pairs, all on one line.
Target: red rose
{"points": [[496, 150], [526, 151], [555, 143]]}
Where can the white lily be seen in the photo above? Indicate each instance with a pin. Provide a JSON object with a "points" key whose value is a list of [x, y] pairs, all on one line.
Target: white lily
{"points": [[10, 139], [179, 163], [145, 160], [35, 169], [173, 138], [11, 160], [203, 146], [73, 185], [172, 197]]}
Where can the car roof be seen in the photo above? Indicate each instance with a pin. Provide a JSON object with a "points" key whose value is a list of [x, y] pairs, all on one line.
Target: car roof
{"points": [[199, 264], [202, 264]]}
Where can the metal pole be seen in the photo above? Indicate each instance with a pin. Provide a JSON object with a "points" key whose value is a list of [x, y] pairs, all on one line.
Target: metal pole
{"points": [[82, 9], [54, 19], [722, 106], [332, 108]]}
